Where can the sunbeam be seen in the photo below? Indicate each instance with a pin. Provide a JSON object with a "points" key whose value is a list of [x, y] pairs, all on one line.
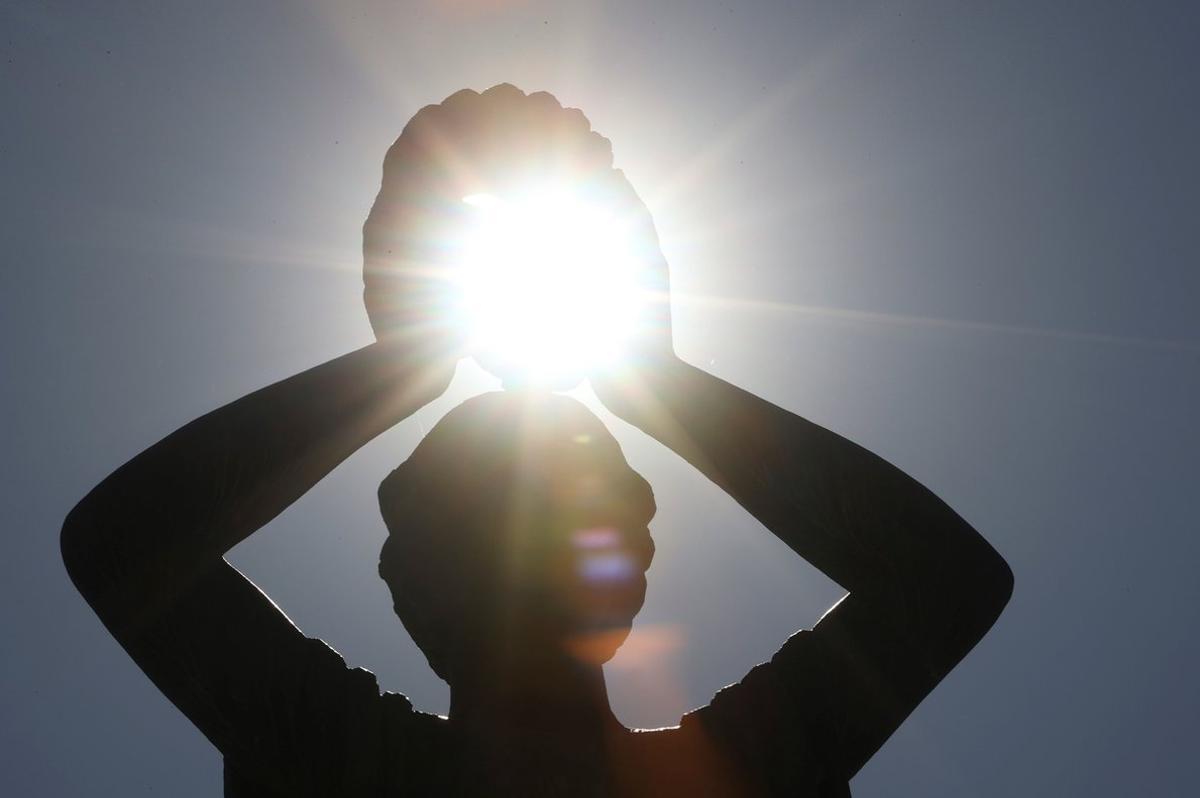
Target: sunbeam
{"points": [[931, 322]]}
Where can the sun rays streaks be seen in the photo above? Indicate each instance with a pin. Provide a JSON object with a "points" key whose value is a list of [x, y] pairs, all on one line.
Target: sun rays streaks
{"points": [[872, 318], [812, 75]]}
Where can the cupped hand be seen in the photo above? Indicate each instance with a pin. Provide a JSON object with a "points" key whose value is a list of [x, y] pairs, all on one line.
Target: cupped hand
{"points": [[479, 143], [650, 350], [470, 143]]}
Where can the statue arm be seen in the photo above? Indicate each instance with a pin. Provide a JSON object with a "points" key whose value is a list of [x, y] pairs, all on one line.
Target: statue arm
{"points": [[924, 586], [157, 524], [146, 546]]}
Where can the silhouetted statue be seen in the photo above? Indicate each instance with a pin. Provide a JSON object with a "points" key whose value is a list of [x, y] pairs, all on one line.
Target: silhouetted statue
{"points": [[516, 558]]}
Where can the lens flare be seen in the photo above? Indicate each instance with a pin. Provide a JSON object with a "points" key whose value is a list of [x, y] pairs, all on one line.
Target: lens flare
{"points": [[547, 285]]}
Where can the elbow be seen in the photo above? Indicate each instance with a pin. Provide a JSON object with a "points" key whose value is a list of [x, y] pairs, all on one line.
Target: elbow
{"points": [[108, 560], [83, 543], [73, 544], [71, 541], [990, 587], [1000, 587]]}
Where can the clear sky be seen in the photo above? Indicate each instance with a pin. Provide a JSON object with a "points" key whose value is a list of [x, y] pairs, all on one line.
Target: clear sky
{"points": [[965, 236]]}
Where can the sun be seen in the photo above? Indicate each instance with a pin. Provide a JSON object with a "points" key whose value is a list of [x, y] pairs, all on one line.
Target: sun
{"points": [[546, 285]]}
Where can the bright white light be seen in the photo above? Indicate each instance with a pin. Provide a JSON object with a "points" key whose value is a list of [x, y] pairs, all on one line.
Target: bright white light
{"points": [[548, 286]]}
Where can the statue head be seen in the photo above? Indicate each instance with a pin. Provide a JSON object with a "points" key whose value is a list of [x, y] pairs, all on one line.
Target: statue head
{"points": [[518, 532]]}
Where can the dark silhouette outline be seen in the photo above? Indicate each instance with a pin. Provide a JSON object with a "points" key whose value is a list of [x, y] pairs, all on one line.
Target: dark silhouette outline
{"points": [[494, 521]]}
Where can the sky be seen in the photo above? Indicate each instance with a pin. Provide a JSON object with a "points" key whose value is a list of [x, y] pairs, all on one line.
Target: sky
{"points": [[961, 234]]}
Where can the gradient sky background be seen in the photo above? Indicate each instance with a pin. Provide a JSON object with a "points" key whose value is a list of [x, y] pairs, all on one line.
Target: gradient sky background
{"points": [[965, 236]]}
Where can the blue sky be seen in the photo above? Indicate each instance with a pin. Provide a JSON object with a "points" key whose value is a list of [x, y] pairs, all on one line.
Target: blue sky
{"points": [[962, 235]]}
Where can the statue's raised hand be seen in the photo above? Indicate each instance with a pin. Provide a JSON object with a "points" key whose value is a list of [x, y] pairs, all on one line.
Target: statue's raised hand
{"points": [[497, 142]]}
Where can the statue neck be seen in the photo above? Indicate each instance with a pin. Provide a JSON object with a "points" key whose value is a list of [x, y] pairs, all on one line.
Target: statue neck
{"points": [[564, 697]]}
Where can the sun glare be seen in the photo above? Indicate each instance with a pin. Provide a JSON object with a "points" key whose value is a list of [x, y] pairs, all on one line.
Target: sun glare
{"points": [[547, 286]]}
